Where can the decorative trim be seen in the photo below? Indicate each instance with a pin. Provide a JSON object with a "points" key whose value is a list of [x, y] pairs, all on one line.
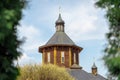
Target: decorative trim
{"points": [[49, 45], [43, 56], [55, 51], [69, 56]]}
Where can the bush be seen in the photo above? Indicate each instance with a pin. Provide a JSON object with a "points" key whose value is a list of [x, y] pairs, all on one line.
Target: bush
{"points": [[43, 72]]}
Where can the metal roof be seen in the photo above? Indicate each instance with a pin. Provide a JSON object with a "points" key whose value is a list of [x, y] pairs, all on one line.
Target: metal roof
{"points": [[97, 77], [60, 38], [80, 74]]}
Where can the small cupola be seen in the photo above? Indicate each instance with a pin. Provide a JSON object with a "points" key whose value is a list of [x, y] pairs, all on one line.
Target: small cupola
{"points": [[94, 69], [59, 20], [59, 24]]}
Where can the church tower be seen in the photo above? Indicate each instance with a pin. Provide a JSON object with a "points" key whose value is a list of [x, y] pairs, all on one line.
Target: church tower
{"points": [[60, 49]]}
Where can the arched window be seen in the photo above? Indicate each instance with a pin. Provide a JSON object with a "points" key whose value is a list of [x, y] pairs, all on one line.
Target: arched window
{"points": [[62, 57], [48, 56]]}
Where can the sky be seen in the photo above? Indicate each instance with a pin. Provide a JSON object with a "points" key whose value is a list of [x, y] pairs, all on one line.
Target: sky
{"points": [[85, 24]]}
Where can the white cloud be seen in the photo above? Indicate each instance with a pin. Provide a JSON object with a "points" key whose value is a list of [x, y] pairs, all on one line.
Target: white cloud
{"points": [[31, 34], [31, 44], [25, 59], [83, 22]]}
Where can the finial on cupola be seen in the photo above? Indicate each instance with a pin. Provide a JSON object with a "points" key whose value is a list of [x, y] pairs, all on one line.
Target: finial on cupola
{"points": [[59, 22]]}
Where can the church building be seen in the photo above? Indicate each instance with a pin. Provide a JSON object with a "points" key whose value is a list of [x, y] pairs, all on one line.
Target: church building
{"points": [[62, 51]]}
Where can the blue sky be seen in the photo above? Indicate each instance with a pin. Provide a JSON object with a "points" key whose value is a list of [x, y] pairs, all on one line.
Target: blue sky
{"points": [[84, 23]]}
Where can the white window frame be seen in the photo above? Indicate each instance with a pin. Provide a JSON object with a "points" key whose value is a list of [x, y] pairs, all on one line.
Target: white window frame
{"points": [[74, 55], [48, 56], [62, 57]]}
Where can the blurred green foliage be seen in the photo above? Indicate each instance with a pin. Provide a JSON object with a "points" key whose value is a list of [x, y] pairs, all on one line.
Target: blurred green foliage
{"points": [[43, 72], [10, 14], [112, 50]]}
